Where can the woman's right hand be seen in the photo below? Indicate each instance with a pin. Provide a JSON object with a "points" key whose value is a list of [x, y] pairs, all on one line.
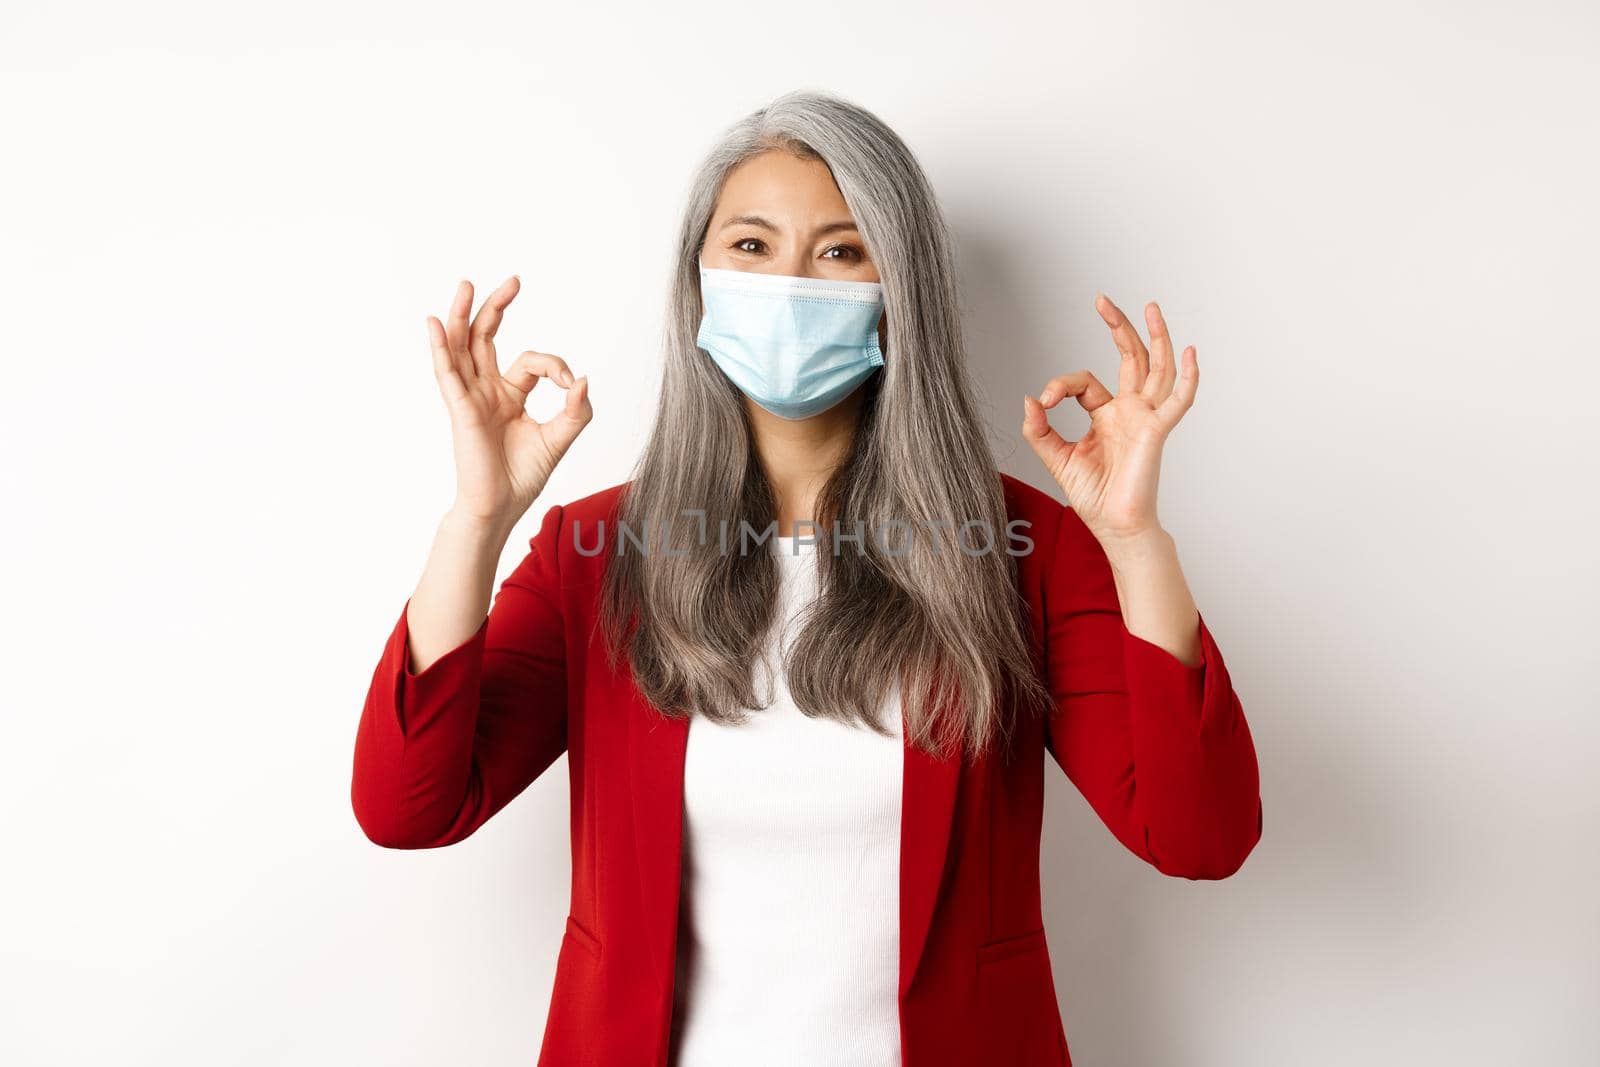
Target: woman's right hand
{"points": [[503, 455]]}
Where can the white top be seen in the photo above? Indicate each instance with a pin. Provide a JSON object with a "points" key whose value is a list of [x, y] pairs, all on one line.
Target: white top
{"points": [[789, 919]]}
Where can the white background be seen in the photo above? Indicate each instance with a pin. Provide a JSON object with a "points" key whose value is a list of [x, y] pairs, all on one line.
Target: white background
{"points": [[225, 455]]}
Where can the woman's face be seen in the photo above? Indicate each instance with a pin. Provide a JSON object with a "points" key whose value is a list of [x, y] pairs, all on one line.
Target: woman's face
{"points": [[782, 215]]}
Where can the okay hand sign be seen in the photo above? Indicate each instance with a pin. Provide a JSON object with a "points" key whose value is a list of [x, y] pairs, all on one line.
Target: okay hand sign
{"points": [[503, 455], [1110, 474]]}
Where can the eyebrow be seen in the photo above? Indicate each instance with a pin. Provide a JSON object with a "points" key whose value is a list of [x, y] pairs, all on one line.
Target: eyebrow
{"points": [[757, 220]]}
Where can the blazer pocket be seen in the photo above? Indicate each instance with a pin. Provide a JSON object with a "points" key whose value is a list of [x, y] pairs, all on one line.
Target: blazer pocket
{"points": [[1016, 1003], [1007, 947], [584, 939]]}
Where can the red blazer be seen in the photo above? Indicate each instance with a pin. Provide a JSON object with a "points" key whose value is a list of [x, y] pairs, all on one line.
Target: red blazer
{"points": [[1160, 750]]}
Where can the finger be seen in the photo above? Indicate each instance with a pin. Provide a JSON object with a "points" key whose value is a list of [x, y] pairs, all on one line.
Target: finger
{"points": [[455, 326], [1051, 448], [1135, 360], [1079, 383], [577, 406], [564, 427], [445, 371], [526, 370], [1163, 368], [487, 321], [1170, 410]]}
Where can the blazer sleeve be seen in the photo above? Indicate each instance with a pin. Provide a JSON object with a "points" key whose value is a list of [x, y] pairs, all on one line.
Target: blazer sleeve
{"points": [[1160, 750], [440, 752]]}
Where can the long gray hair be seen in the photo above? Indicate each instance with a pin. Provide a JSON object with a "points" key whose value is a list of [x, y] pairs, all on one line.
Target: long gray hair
{"points": [[945, 625]]}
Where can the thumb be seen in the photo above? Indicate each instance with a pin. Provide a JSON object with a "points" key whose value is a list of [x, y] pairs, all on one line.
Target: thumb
{"points": [[1051, 448], [565, 426]]}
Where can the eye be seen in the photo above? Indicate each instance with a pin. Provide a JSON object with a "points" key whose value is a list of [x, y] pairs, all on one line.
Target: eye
{"points": [[854, 252], [744, 241]]}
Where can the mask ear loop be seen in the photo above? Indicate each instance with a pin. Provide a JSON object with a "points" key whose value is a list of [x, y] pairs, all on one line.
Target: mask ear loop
{"points": [[874, 352], [874, 345]]}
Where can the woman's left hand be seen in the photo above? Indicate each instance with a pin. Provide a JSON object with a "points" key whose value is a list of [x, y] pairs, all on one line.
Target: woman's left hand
{"points": [[1110, 474]]}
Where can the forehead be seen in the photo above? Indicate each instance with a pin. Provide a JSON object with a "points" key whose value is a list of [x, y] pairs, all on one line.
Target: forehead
{"points": [[780, 187]]}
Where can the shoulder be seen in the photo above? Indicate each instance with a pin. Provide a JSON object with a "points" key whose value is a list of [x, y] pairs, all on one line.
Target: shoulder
{"points": [[596, 507], [585, 511], [1023, 501], [570, 534], [1042, 512], [1054, 527]]}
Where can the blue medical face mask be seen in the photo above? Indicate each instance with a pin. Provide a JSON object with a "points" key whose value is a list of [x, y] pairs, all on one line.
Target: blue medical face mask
{"points": [[796, 346]]}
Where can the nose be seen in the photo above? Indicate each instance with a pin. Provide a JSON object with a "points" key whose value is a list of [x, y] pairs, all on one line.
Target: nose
{"points": [[796, 264]]}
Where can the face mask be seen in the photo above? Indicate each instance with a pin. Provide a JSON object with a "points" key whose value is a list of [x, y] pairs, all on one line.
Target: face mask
{"points": [[796, 346]]}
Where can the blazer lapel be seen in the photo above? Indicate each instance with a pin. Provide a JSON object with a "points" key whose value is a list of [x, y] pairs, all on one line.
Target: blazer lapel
{"points": [[656, 749], [928, 802]]}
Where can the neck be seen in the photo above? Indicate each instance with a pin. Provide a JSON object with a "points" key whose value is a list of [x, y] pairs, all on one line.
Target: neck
{"points": [[800, 455]]}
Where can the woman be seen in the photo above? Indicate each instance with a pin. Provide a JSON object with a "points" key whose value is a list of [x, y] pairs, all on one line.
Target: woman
{"points": [[807, 771]]}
